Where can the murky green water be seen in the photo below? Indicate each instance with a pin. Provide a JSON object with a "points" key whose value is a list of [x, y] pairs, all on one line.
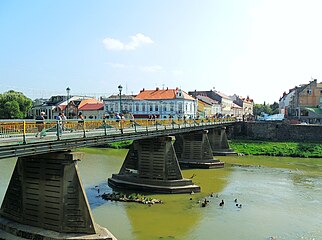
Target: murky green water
{"points": [[280, 197]]}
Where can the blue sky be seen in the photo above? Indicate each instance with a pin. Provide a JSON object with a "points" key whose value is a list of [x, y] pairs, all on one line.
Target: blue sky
{"points": [[259, 48]]}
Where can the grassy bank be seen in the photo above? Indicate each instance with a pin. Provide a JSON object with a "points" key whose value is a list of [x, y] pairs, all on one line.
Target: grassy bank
{"points": [[249, 147], [120, 145], [290, 149]]}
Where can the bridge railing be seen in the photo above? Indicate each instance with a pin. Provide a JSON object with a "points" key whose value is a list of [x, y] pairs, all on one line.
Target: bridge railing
{"points": [[21, 130]]}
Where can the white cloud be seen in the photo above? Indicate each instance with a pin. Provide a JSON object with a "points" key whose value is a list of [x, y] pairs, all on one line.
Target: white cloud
{"points": [[113, 44], [155, 68], [136, 41]]}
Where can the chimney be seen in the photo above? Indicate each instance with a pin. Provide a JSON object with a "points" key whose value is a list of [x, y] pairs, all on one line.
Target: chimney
{"points": [[157, 89]]}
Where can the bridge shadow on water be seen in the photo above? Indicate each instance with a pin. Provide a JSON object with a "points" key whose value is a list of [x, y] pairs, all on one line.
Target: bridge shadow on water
{"points": [[94, 194]]}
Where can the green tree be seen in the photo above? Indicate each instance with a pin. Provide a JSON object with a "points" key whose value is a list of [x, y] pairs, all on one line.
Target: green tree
{"points": [[262, 108], [275, 108], [14, 105]]}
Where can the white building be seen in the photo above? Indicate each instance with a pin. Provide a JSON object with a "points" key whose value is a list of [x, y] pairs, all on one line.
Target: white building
{"points": [[157, 103]]}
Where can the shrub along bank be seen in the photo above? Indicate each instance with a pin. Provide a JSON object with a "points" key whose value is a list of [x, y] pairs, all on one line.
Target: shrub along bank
{"points": [[291, 149]]}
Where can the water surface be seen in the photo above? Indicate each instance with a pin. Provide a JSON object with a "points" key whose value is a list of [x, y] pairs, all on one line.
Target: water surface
{"points": [[280, 197]]}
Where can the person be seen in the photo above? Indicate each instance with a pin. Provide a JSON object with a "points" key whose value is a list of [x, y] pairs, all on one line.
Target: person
{"points": [[59, 125], [117, 117], [80, 118], [132, 119], [40, 122]]}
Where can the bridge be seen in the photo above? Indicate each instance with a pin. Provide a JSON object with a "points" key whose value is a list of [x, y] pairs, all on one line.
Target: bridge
{"points": [[45, 192]]}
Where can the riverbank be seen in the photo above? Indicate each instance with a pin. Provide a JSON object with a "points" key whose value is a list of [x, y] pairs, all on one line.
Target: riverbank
{"points": [[256, 147], [284, 149]]}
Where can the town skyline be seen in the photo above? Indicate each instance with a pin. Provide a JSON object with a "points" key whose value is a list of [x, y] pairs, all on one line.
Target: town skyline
{"points": [[229, 46]]}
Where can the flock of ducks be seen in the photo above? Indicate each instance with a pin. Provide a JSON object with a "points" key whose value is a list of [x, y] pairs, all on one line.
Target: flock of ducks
{"points": [[205, 202]]}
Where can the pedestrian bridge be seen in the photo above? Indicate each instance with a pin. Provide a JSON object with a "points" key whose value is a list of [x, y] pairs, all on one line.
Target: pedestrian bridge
{"points": [[45, 198], [17, 137]]}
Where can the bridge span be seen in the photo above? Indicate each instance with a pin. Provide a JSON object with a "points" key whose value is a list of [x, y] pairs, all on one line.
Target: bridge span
{"points": [[45, 192]]}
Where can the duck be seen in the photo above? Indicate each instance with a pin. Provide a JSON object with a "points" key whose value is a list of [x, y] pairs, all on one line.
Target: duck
{"points": [[221, 203], [235, 199]]}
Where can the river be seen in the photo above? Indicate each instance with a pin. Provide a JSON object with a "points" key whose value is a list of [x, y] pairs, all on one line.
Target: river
{"points": [[280, 197]]}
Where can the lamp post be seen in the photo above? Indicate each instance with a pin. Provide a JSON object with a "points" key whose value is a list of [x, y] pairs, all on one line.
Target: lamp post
{"points": [[161, 110], [120, 90], [68, 91]]}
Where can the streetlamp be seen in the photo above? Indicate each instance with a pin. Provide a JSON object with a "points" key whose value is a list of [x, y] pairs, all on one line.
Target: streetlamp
{"points": [[68, 91], [120, 89]]}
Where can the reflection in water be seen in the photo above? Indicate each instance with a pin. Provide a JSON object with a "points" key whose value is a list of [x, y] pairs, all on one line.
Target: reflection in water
{"points": [[280, 197]]}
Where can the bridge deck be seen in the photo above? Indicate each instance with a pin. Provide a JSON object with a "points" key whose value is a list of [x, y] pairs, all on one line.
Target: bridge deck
{"points": [[17, 138]]}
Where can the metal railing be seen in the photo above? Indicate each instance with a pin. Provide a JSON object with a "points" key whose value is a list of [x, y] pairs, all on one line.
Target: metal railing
{"points": [[23, 131]]}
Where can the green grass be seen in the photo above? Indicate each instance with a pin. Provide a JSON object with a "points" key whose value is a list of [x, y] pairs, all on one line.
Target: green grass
{"points": [[290, 149], [120, 145]]}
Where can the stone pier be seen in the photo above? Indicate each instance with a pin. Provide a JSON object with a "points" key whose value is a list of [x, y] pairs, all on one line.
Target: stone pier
{"points": [[151, 165], [219, 142], [194, 151], [45, 199]]}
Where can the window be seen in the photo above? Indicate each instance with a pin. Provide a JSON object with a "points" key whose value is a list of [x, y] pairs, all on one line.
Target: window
{"points": [[309, 91], [143, 108], [321, 92], [151, 108], [137, 107], [320, 99], [172, 107], [156, 108]]}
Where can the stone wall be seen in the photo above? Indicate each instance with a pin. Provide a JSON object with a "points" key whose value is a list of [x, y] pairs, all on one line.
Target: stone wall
{"points": [[277, 131]]}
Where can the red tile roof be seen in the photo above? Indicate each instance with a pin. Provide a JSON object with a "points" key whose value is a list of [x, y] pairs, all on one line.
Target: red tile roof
{"points": [[92, 106], [159, 94]]}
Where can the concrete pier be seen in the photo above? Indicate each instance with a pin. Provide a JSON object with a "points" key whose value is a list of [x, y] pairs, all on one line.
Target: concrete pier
{"points": [[45, 198], [219, 142], [194, 151], [151, 165]]}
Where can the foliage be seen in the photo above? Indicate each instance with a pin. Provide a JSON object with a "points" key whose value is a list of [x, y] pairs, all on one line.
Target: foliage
{"points": [[266, 108], [14, 105], [291, 149], [121, 144]]}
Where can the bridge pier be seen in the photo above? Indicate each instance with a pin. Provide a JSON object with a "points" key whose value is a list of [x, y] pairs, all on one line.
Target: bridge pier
{"points": [[194, 151], [45, 199], [219, 142], [151, 165]]}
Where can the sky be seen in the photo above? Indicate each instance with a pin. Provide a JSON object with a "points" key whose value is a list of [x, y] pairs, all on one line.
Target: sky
{"points": [[255, 48]]}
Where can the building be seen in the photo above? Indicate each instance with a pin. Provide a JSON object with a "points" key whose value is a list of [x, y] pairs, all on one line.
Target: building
{"points": [[156, 103], [57, 104], [284, 102], [225, 102], [304, 102], [92, 110], [112, 104], [165, 103], [208, 107], [246, 104]]}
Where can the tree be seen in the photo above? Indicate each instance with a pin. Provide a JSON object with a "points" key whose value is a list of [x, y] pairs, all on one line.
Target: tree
{"points": [[275, 108], [14, 105], [266, 108]]}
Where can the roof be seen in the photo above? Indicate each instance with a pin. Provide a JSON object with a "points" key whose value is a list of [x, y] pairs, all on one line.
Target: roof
{"points": [[223, 95], [86, 101], [314, 110], [207, 100], [234, 105], [159, 94], [92, 106], [116, 97]]}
